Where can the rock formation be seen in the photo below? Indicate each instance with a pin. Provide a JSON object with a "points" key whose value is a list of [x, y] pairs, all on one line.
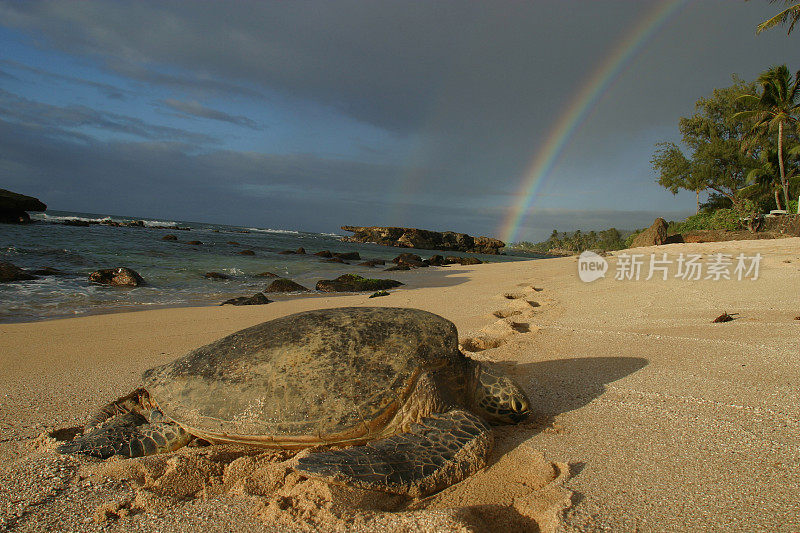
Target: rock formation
{"points": [[257, 299], [655, 235], [354, 283], [117, 276], [10, 272], [14, 207], [285, 285], [420, 238]]}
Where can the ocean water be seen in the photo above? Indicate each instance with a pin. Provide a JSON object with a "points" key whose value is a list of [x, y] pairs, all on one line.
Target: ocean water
{"points": [[173, 271]]}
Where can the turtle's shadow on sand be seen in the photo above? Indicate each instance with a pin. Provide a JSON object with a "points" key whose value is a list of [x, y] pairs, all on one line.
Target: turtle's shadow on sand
{"points": [[558, 386]]}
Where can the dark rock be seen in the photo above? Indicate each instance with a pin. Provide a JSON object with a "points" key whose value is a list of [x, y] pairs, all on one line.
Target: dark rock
{"points": [[449, 260], [216, 275], [287, 252], [354, 283], [266, 275], [9, 272], [194, 243], [419, 238], [324, 253], [117, 276], [397, 267], [379, 293], [234, 243], [256, 299], [412, 260], [247, 252], [300, 251], [169, 238], [655, 235], [405, 257], [285, 285], [436, 260], [14, 207], [372, 263], [335, 260], [48, 271], [347, 256], [14, 216]]}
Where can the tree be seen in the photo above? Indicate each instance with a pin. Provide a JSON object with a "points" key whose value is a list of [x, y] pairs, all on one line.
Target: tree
{"points": [[766, 178], [714, 136], [775, 107], [676, 171], [791, 15]]}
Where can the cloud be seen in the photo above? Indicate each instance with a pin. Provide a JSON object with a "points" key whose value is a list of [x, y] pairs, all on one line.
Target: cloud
{"points": [[197, 110], [108, 90], [67, 118], [302, 191]]}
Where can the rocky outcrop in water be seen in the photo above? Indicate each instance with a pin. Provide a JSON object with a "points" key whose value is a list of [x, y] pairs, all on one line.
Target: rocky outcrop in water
{"points": [[420, 238], [10, 272], [14, 207], [123, 277], [285, 285]]}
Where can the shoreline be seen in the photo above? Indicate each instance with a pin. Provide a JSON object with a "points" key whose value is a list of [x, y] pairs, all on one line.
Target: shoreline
{"points": [[639, 399]]}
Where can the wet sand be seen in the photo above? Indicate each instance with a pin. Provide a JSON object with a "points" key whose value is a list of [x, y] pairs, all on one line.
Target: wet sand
{"points": [[648, 416]]}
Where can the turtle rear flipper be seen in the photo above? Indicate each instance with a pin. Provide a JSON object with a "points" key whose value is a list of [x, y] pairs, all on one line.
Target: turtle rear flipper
{"points": [[437, 452], [129, 435]]}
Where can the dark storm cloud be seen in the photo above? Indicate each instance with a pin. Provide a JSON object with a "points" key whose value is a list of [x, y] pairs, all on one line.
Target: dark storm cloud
{"points": [[381, 62], [197, 110], [64, 118], [288, 191]]}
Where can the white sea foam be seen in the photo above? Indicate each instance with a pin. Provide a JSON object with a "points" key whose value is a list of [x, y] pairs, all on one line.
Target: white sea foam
{"points": [[270, 230], [44, 217], [55, 218], [151, 223]]}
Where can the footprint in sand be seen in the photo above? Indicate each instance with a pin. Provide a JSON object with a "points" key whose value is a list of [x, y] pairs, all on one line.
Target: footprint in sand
{"points": [[517, 307], [494, 335]]}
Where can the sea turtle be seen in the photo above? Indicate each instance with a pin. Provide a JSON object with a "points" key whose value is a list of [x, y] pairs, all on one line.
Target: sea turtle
{"points": [[406, 411]]}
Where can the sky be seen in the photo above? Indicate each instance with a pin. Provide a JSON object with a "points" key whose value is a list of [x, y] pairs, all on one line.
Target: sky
{"points": [[505, 118]]}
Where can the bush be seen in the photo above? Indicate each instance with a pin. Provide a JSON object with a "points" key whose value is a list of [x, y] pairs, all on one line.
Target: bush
{"points": [[792, 206], [629, 239], [727, 219]]}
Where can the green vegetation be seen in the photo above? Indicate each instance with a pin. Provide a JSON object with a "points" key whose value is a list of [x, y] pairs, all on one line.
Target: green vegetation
{"points": [[774, 108], [789, 15], [576, 242], [727, 219]]}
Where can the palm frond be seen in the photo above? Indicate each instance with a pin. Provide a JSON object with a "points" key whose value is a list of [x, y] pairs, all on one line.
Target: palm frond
{"points": [[790, 14]]}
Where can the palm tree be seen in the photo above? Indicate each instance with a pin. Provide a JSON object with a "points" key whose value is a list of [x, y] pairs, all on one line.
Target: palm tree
{"points": [[775, 107], [762, 179], [791, 15]]}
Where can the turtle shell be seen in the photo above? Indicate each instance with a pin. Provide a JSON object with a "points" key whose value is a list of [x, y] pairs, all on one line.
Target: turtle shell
{"points": [[324, 376]]}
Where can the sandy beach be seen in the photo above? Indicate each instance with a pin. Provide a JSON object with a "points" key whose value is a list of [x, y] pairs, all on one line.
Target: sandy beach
{"points": [[649, 417]]}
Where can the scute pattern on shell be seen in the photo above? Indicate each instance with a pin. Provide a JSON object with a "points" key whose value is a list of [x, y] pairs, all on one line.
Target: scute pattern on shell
{"points": [[314, 375]]}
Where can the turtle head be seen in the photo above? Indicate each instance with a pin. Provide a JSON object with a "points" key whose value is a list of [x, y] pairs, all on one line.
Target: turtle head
{"points": [[497, 398]]}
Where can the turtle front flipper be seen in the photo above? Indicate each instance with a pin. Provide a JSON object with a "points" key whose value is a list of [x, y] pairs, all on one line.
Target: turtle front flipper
{"points": [[130, 435], [440, 450]]}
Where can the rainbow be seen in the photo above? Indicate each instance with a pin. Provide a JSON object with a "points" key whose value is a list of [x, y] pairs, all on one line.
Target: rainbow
{"points": [[579, 108]]}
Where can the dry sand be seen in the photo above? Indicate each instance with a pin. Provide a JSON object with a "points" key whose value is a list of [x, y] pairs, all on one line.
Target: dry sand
{"points": [[649, 417]]}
